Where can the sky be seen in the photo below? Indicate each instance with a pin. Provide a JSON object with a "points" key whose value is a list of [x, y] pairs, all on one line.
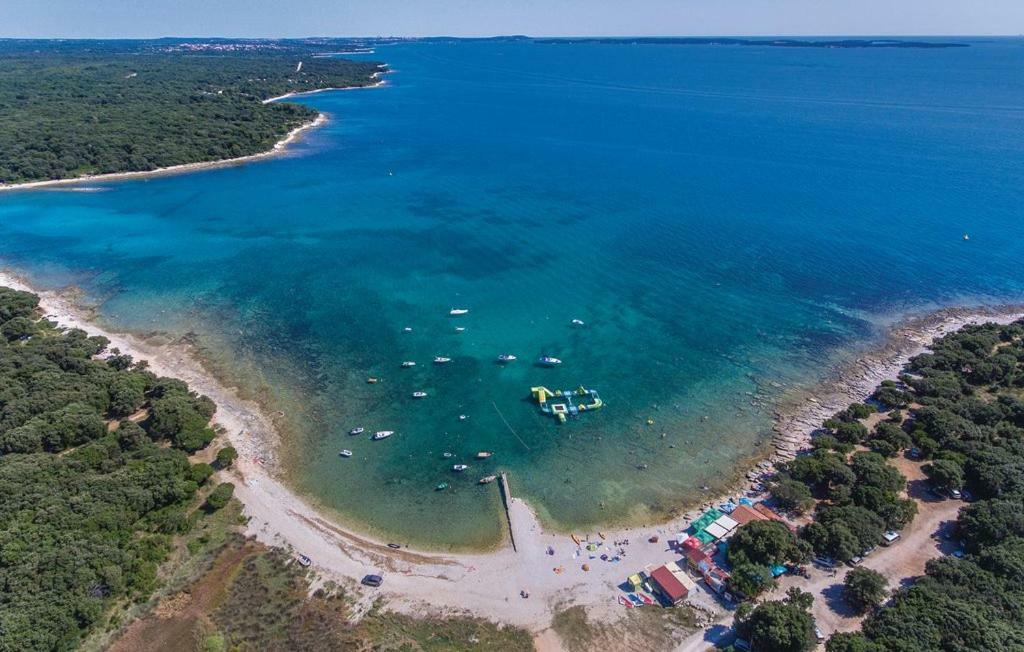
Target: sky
{"points": [[295, 18]]}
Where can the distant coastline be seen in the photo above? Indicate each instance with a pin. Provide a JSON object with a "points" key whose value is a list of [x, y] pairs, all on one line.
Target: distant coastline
{"points": [[763, 42], [279, 148]]}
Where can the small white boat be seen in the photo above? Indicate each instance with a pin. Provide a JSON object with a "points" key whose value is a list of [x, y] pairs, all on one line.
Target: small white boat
{"points": [[463, 417], [446, 456], [408, 363], [419, 395], [454, 312], [382, 434], [357, 431], [441, 360], [506, 357], [459, 467], [577, 322], [483, 455], [548, 361], [488, 479], [459, 329], [345, 453], [407, 329]]}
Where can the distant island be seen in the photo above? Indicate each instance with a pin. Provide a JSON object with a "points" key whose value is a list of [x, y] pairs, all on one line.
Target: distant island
{"points": [[774, 43], [71, 109]]}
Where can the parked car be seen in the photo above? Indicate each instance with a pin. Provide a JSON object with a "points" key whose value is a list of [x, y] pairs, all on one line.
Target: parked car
{"points": [[890, 538], [955, 494], [373, 580], [818, 634], [855, 560], [304, 561]]}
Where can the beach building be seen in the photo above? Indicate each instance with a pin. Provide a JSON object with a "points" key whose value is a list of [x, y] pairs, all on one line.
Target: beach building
{"points": [[716, 579], [744, 514], [668, 585], [698, 560]]}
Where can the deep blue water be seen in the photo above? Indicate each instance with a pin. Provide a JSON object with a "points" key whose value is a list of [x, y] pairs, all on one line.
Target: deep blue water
{"points": [[726, 220]]}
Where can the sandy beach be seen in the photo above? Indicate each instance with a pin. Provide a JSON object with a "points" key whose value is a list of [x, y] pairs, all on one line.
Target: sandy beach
{"points": [[547, 565]]}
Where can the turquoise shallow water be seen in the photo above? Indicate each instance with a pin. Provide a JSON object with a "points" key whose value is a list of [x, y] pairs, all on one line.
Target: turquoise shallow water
{"points": [[726, 220]]}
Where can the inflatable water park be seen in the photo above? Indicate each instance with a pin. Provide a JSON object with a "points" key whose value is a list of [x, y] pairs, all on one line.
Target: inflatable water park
{"points": [[568, 403]]}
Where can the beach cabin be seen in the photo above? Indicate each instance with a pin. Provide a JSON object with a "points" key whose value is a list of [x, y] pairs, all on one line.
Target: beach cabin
{"points": [[668, 586]]}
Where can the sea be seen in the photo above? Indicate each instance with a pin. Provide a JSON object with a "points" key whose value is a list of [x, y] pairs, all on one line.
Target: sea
{"points": [[728, 222]]}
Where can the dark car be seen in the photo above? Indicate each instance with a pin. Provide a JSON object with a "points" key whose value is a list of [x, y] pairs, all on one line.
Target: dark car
{"points": [[373, 580]]}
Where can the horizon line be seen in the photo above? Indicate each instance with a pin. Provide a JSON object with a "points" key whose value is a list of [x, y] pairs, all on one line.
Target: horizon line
{"points": [[499, 36]]}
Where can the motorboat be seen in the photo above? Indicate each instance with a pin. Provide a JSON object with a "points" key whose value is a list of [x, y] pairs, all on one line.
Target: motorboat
{"points": [[548, 361], [506, 357], [446, 456], [372, 380], [419, 395], [459, 329], [441, 486], [345, 453], [441, 360], [463, 417], [483, 455], [407, 329], [455, 312], [408, 363], [459, 467], [577, 322], [487, 479], [382, 434], [357, 431]]}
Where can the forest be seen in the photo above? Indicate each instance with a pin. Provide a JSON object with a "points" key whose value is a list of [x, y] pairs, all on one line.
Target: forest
{"points": [[95, 477], [960, 408], [75, 108]]}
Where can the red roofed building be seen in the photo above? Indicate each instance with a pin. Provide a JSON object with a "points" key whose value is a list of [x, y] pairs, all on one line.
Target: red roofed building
{"points": [[698, 560], [744, 514], [767, 512], [668, 586]]}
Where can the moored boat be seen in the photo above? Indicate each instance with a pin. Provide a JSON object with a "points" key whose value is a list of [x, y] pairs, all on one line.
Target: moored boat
{"points": [[357, 431], [483, 455], [488, 479], [345, 453], [441, 359], [459, 329], [577, 322], [408, 363], [441, 486], [419, 395], [506, 357], [446, 455], [548, 361], [372, 380], [458, 311], [459, 467], [382, 434]]}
